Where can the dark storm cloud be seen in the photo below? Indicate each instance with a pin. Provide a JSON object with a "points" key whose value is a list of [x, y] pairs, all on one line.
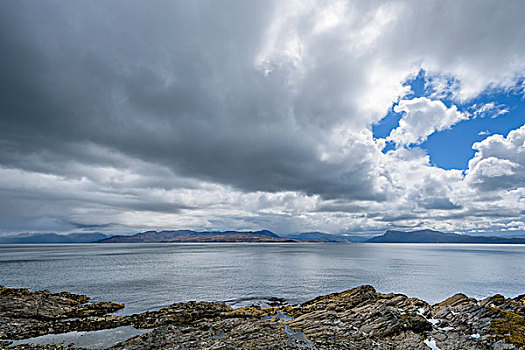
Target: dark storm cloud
{"points": [[90, 226], [173, 84]]}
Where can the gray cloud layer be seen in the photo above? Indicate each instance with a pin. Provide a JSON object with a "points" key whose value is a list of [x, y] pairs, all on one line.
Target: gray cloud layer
{"points": [[242, 114]]}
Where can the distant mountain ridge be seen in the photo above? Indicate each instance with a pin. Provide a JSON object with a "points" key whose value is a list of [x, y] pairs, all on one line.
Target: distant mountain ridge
{"points": [[390, 236], [319, 237], [52, 238], [194, 236], [327, 237], [431, 236]]}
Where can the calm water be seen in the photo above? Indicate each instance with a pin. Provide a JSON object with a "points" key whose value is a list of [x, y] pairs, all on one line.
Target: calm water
{"points": [[147, 276]]}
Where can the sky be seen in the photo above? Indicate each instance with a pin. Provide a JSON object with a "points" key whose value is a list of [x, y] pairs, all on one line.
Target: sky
{"points": [[346, 117]]}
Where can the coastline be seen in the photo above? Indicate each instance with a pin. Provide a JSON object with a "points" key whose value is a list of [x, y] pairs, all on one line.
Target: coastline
{"points": [[358, 318]]}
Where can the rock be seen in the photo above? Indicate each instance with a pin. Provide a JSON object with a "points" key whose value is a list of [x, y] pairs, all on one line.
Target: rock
{"points": [[180, 313], [359, 318], [251, 312], [275, 301], [45, 305], [25, 314], [454, 300]]}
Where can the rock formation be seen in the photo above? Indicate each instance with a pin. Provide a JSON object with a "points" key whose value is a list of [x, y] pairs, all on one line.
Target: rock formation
{"points": [[359, 318]]}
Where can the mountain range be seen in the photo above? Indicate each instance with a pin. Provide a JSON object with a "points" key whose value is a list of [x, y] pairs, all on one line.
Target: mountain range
{"points": [[430, 236], [194, 236], [327, 237], [52, 238], [390, 236]]}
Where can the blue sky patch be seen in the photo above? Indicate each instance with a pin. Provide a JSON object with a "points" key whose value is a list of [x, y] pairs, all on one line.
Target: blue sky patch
{"points": [[452, 148]]}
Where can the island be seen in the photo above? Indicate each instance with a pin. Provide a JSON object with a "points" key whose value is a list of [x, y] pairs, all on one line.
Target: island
{"points": [[358, 318]]}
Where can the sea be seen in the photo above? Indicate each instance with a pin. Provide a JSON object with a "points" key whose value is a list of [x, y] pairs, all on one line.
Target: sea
{"points": [[151, 276]]}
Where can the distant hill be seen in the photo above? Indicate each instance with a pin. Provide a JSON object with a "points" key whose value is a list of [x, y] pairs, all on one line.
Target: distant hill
{"points": [[50, 238], [430, 236], [319, 237], [194, 236], [327, 237]]}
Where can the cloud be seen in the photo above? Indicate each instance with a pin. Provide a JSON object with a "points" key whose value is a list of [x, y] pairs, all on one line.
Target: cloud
{"points": [[242, 114], [499, 162], [488, 109], [421, 118]]}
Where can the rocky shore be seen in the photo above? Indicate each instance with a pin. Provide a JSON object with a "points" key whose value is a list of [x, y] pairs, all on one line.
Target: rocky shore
{"points": [[359, 318]]}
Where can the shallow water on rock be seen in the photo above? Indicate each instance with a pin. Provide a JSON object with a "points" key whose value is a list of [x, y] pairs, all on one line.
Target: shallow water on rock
{"points": [[92, 340], [150, 276], [298, 339]]}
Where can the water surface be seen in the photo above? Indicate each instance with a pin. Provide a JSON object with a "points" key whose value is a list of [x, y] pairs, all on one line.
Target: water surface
{"points": [[101, 339], [149, 276]]}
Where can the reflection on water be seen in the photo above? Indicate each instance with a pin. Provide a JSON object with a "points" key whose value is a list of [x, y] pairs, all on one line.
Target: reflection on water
{"points": [[96, 339], [146, 276]]}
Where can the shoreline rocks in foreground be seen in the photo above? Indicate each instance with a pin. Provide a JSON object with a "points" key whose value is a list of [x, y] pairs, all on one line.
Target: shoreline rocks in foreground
{"points": [[359, 318]]}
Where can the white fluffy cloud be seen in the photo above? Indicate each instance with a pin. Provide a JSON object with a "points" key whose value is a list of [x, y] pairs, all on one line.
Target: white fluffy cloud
{"points": [[421, 118], [499, 162]]}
